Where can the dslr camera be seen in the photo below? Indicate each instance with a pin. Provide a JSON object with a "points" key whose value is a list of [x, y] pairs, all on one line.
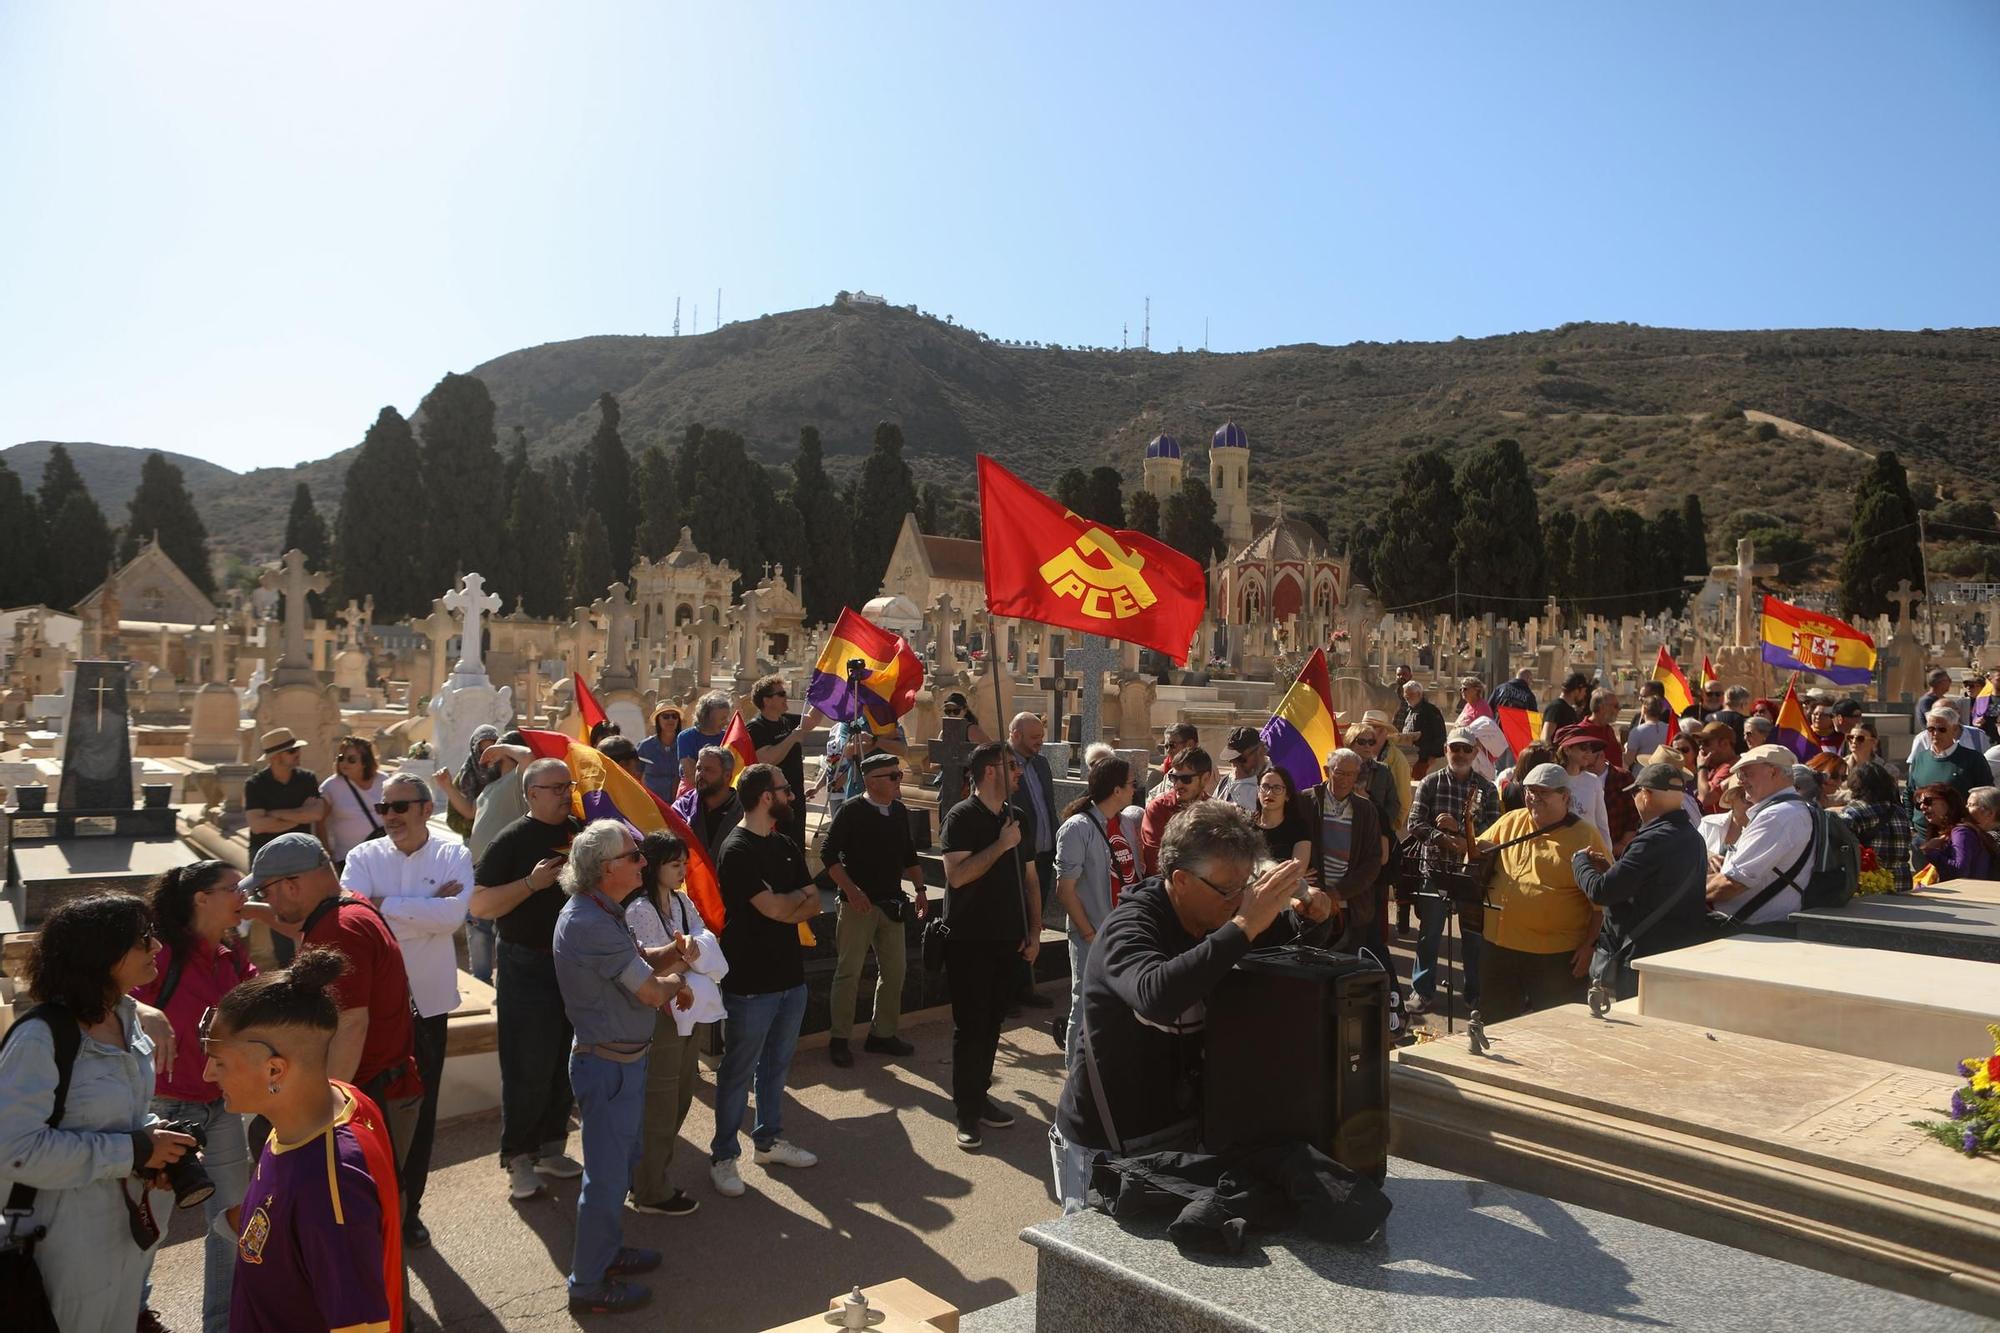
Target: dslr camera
{"points": [[188, 1178]]}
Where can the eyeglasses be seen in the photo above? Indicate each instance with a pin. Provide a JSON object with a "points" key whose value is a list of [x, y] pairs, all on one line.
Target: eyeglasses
{"points": [[893, 774], [634, 855], [146, 941], [395, 807], [1939, 731], [785, 790], [348, 759], [208, 1022], [1218, 890], [1364, 741], [555, 786], [1180, 779]]}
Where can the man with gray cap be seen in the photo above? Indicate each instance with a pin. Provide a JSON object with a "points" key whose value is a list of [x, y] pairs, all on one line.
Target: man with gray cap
{"points": [[373, 1046], [1653, 896], [1539, 932], [1761, 881], [1449, 801]]}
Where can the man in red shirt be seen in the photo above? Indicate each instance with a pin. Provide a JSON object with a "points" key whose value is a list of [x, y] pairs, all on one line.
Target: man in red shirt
{"points": [[373, 1046], [1191, 779]]}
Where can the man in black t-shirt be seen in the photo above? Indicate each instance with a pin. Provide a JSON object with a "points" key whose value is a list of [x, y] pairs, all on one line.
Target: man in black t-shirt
{"points": [[869, 853], [1566, 709], [515, 885], [766, 892], [777, 738], [993, 903]]}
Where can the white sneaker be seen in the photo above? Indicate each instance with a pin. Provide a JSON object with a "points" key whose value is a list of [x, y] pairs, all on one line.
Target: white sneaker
{"points": [[781, 1153], [521, 1181], [723, 1176], [561, 1166]]}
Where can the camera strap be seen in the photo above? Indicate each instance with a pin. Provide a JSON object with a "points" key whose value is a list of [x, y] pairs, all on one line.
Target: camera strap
{"points": [[1096, 1082]]}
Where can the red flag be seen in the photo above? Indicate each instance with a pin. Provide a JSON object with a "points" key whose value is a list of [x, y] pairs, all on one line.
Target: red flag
{"points": [[1044, 563], [737, 741], [1518, 725], [588, 712]]}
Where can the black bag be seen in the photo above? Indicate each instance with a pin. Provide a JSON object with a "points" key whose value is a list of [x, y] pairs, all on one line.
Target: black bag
{"points": [[22, 1294], [373, 823], [937, 935]]}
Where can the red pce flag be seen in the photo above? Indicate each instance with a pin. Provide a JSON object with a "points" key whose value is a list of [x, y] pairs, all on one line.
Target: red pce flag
{"points": [[1046, 564]]}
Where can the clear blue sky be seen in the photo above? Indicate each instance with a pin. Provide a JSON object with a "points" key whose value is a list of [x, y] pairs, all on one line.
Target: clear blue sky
{"points": [[236, 231]]}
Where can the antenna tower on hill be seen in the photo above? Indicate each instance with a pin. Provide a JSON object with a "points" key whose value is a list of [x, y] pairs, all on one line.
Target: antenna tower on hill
{"points": [[677, 317], [1204, 333], [1146, 341], [695, 325], [718, 307], [1125, 335]]}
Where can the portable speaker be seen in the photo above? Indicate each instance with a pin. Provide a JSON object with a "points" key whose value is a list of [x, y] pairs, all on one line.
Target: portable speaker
{"points": [[1297, 1050]]}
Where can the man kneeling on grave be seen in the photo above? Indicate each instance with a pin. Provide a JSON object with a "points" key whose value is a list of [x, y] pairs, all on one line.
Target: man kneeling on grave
{"points": [[1136, 1084]]}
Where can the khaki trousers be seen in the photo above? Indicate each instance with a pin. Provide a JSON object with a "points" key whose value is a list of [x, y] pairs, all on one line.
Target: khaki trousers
{"points": [[855, 934], [672, 1070]]}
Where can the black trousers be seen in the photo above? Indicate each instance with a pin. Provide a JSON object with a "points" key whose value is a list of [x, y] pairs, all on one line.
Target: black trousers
{"points": [[982, 977], [1512, 983], [430, 1037]]}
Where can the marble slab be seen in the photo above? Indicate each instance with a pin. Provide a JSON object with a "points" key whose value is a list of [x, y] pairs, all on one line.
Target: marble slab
{"points": [[1961, 890], [1938, 925], [1456, 1254], [1902, 1008]]}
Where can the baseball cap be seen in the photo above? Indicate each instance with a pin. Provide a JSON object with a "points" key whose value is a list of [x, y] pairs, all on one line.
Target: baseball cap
{"points": [[284, 856], [1240, 741], [1661, 777], [1461, 736], [1553, 776], [1777, 756]]}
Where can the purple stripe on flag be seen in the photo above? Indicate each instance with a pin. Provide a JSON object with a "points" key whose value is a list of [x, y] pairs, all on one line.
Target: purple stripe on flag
{"points": [[1289, 751], [1799, 745]]}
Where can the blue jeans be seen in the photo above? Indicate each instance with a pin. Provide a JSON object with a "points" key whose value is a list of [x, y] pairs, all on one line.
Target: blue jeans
{"points": [[1079, 957], [534, 1037], [226, 1156], [479, 942], [612, 1099], [1432, 913], [757, 1041]]}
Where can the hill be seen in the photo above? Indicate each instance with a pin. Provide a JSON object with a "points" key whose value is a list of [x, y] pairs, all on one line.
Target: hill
{"points": [[1611, 413]]}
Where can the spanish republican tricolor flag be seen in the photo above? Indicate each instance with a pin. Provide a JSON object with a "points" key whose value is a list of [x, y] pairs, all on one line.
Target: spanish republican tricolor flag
{"points": [[1708, 676], [1304, 731], [891, 676], [1668, 672], [1046, 564], [1792, 731], [1796, 639], [737, 741], [588, 711], [606, 791]]}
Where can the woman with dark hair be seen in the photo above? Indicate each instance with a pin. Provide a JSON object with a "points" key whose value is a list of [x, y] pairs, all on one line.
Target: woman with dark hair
{"points": [[1513, 789], [663, 771], [1282, 817], [73, 1173], [664, 914], [1881, 823], [321, 1244], [1097, 863], [1964, 850], [350, 795], [196, 910]]}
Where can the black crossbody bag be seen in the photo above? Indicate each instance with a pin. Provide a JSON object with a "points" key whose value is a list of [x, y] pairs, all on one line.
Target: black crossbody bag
{"points": [[22, 1294]]}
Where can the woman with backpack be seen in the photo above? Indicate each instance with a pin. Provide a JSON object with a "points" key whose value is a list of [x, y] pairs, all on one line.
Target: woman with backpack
{"points": [[196, 910], [80, 1148]]}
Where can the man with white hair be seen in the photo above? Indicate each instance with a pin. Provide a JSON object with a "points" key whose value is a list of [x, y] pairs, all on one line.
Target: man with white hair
{"points": [[1962, 735], [1419, 718], [1352, 844], [711, 725], [1943, 754], [422, 883], [1763, 878]]}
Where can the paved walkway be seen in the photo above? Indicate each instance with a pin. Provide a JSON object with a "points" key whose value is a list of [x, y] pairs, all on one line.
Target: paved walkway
{"points": [[892, 1197]]}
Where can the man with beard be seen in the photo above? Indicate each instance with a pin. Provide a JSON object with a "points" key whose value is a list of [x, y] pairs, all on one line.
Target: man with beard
{"points": [[711, 807]]}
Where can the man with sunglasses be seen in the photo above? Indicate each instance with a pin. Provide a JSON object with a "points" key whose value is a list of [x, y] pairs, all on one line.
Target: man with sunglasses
{"points": [[1190, 779], [777, 736], [1135, 1086], [869, 854], [422, 883], [515, 885]]}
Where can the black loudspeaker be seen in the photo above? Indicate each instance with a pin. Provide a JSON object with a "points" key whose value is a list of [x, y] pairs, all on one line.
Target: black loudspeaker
{"points": [[1297, 1045]]}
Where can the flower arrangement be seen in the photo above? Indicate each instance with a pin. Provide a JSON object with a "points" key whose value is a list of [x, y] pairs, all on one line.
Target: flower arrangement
{"points": [[1974, 1126], [1873, 878]]}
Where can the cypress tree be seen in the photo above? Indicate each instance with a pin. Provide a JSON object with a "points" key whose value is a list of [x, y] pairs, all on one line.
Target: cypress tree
{"points": [[930, 506], [1360, 541], [378, 542], [22, 542], [79, 546], [1558, 539], [1187, 521], [1630, 533], [659, 519], [590, 570], [305, 531], [1668, 547], [1105, 497], [887, 492], [1073, 491], [162, 508], [1413, 559], [1882, 546], [612, 494], [60, 480], [1498, 536], [827, 567], [1143, 514], [536, 530], [1694, 530], [461, 481]]}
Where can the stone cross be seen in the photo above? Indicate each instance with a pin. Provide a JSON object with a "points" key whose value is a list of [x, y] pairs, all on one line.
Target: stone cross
{"points": [[350, 622], [436, 627], [1744, 573], [616, 607], [293, 582], [944, 620], [1090, 659], [1058, 685], [1902, 597], [471, 601], [948, 754]]}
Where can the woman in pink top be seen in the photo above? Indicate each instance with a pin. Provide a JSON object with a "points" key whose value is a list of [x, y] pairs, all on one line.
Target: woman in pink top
{"points": [[197, 909]]}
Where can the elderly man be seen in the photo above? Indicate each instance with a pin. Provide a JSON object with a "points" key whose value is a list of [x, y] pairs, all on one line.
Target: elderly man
{"points": [[711, 724], [1168, 943], [612, 990], [1449, 802], [711, 807], [1938, 695], [1518, 692], [1762, 879], [1944, 753], [1419, 719], [515, 885], [372, 1048], [1034, 800], [1653, 896], [421, 882], [1735, 708], [1190, 779], [1247, 762], [1540, 936], [869, 854], [1352, 846]]}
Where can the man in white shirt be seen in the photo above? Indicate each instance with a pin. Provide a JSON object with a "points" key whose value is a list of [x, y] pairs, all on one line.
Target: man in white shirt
{"points": [[421, 880], [1775, 845]]}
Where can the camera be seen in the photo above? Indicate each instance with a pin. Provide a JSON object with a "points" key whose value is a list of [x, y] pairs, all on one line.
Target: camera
{"points": [[189, 1180]]}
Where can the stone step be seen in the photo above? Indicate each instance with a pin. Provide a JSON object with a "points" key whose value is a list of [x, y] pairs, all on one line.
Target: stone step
{"points": [[1926, 1013], [1010, 1316]]}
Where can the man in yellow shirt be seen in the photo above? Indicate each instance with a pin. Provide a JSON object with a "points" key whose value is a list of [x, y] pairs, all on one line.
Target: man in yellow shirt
{"points": [[1540, 928]]}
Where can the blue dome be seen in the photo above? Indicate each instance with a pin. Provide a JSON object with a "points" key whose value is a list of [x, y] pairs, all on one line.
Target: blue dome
{"points": [[1163, 446], [1231, 436]]}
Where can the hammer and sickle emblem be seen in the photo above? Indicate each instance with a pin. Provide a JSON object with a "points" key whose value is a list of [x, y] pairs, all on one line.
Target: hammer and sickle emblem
{"points": [[1113, 589]]}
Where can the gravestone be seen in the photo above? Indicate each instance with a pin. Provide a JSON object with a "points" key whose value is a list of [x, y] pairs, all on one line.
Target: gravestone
{"points": [[948, 753], [97, 743], [1058, 685], [467, 700], [1908, 923], [1091, 659]]}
